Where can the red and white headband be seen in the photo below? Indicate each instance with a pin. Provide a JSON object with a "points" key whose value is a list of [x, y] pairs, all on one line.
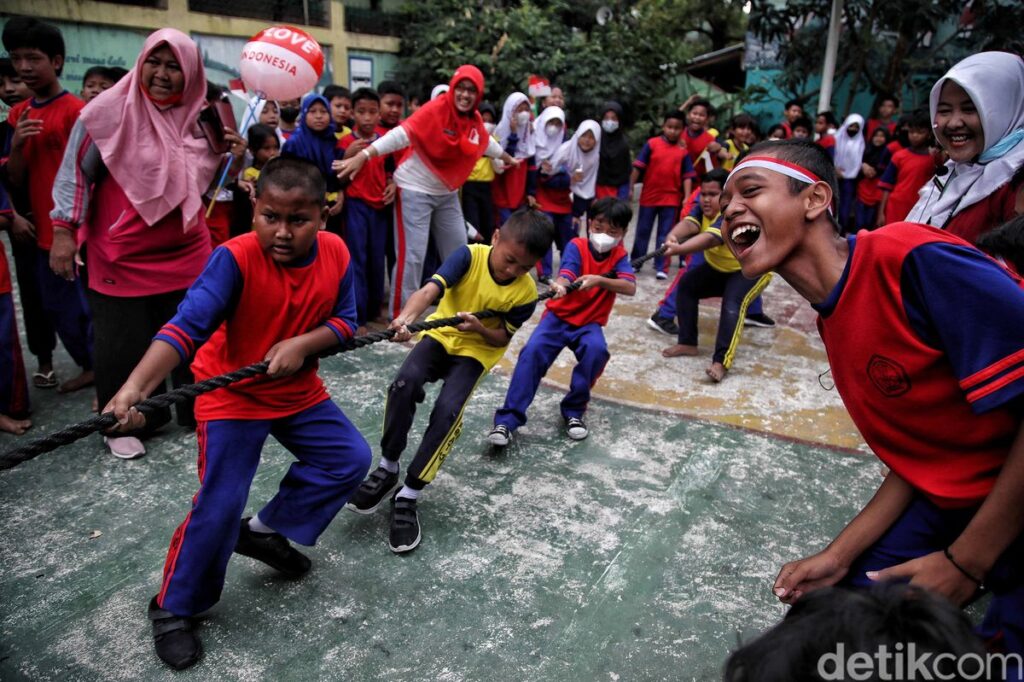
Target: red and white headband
{"points": [[771, 163]]}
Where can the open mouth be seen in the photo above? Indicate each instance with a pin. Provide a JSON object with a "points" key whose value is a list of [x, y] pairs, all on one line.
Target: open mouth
{"points": [[959, 139], [744, 236]]}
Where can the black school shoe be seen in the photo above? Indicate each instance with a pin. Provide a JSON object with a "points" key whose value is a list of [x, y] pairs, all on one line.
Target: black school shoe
{"points": [[405, 526], [372, 492], [176, 643], [273, 549]]}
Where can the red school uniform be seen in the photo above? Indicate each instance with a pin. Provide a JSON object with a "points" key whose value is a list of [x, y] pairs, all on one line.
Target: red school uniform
{"points": [[695, 146], [665, 166], [907, 173], [368, 185], [43, 154], [594, 304]]}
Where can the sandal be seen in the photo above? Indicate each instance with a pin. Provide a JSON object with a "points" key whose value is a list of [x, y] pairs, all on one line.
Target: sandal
{"points": [[44, 379]]}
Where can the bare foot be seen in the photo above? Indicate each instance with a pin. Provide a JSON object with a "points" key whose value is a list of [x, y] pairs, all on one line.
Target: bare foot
{"points": [[15, 426], [716, 371], [84, 379], [679, 350]]}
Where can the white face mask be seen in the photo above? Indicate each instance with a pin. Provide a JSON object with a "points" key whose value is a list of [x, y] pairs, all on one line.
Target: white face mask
{"points": [[610, 125], [602, 243], [552, 129], [523, 119], [489, 127]]}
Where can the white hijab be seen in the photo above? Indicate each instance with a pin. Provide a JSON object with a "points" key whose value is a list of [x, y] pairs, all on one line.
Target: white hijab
{"points": [[252, 114], [546, 144], [849, 149], [438, 90], [995, 83], [574, 158], [526, 146]]}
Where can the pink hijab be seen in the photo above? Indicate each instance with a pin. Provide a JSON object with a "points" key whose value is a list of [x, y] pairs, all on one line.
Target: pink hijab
{"points": [[156, 154]]}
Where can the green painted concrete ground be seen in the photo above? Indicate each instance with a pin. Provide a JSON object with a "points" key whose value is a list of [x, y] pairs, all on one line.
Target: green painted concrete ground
{"points": [[643, 553]]}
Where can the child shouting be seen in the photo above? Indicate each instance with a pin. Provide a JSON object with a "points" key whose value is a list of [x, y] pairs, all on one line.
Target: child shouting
{"points": [[574, 321], [925, 339], [281, 293]]}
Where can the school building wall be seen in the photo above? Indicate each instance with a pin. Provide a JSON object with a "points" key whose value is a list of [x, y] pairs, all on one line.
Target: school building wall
{"points": [[112, 34]]}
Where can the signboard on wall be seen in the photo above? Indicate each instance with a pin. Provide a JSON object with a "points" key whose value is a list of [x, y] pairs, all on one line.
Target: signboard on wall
{"points": [[360, 73]]}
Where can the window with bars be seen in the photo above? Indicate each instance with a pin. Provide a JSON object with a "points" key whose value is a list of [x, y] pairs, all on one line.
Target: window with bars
{"points": [[302, 12]]}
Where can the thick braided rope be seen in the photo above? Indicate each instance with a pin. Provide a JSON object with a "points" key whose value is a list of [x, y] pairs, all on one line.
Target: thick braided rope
{"points": [[101, 422]]}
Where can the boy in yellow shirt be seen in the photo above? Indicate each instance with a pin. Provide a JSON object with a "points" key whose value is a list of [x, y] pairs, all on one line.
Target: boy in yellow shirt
{"points": [[473, 278]]}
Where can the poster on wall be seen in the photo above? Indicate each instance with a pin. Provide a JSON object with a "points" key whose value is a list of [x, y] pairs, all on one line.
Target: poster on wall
{"points": [[360, 73], [89, 45]]}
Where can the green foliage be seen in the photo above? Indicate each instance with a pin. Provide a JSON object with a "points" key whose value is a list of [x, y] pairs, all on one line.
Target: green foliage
{"points": [[632, 58], [884, 46]]}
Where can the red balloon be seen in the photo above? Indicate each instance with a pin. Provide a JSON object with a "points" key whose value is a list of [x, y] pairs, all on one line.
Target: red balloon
{"points": [[281, 62]]}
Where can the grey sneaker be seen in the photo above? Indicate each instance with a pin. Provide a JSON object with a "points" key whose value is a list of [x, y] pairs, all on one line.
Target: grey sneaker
{"points": [[499, 436], [575, 428]]}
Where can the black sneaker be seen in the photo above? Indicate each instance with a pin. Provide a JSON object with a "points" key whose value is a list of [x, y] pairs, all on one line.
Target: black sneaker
{"points": [[758, 320], [665, 325], [273, 549], [405, 525], [176, 643], [377, 487], [499, 436], [576, 428]]}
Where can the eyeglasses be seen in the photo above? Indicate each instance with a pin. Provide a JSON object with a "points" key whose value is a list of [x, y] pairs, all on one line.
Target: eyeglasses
{"points": [[466, 89]]}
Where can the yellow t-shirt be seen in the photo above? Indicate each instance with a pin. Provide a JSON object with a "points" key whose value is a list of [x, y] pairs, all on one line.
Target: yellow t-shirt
{"points": [[468, 286], [483, 171], [735, 148], [719, 257], [345, 130], [251, 174]]}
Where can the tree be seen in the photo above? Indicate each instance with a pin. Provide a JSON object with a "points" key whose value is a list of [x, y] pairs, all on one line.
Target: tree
{"points": [[884, 45], [632, 58]]}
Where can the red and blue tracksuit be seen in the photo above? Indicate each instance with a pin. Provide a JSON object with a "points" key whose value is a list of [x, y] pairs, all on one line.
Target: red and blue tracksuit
{"points": [[925, 338], [573, 322], [239, 307], [366, 228], [663, 166], [13, 386], [555, 199]]}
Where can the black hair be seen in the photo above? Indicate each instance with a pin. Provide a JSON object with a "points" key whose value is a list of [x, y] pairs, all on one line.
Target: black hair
{"points": [[117, 72], [808, 155], [531, 228], [885, 96], [213, 92], [1006, 242], [920, 119], [793, 103], [332, 91], [99, 72], [743, 120], [830, 118], [617, 211], [290, 172], [258, 134], [802, 122], [7, 68], [487, 107], [777, 127], [701, 103], [677, 115], [364, 93], [30, 33], [719, 175], [390, 88], [805, 645]]}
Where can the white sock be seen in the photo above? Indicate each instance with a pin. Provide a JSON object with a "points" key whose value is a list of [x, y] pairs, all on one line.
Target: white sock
{"points": [[409, 493], [257, 526], [388, 466]]}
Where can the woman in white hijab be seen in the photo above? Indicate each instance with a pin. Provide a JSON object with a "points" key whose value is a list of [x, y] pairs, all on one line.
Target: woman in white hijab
{"points": [[582, 155], [977, 111], [849, 154], [515, 134], [549, 131]]}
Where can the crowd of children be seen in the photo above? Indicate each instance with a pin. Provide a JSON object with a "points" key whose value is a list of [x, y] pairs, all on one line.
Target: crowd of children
{"points": [[336, 198]]}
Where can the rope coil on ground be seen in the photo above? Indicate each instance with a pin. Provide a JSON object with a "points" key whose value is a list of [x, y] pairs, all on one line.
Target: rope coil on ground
{"points": [[101, 422]]}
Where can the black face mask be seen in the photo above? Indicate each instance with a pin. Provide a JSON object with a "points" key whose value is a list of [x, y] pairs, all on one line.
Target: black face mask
{"points": [[289, 114]]}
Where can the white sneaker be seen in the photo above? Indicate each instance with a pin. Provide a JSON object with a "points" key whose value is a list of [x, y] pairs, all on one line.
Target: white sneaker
{"points": [[125, 447], [575, 428], [661, 275], [499, 436]]}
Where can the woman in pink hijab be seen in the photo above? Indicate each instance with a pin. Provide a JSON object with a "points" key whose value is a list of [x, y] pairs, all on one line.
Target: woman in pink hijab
{"points": [[130, 187]]}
